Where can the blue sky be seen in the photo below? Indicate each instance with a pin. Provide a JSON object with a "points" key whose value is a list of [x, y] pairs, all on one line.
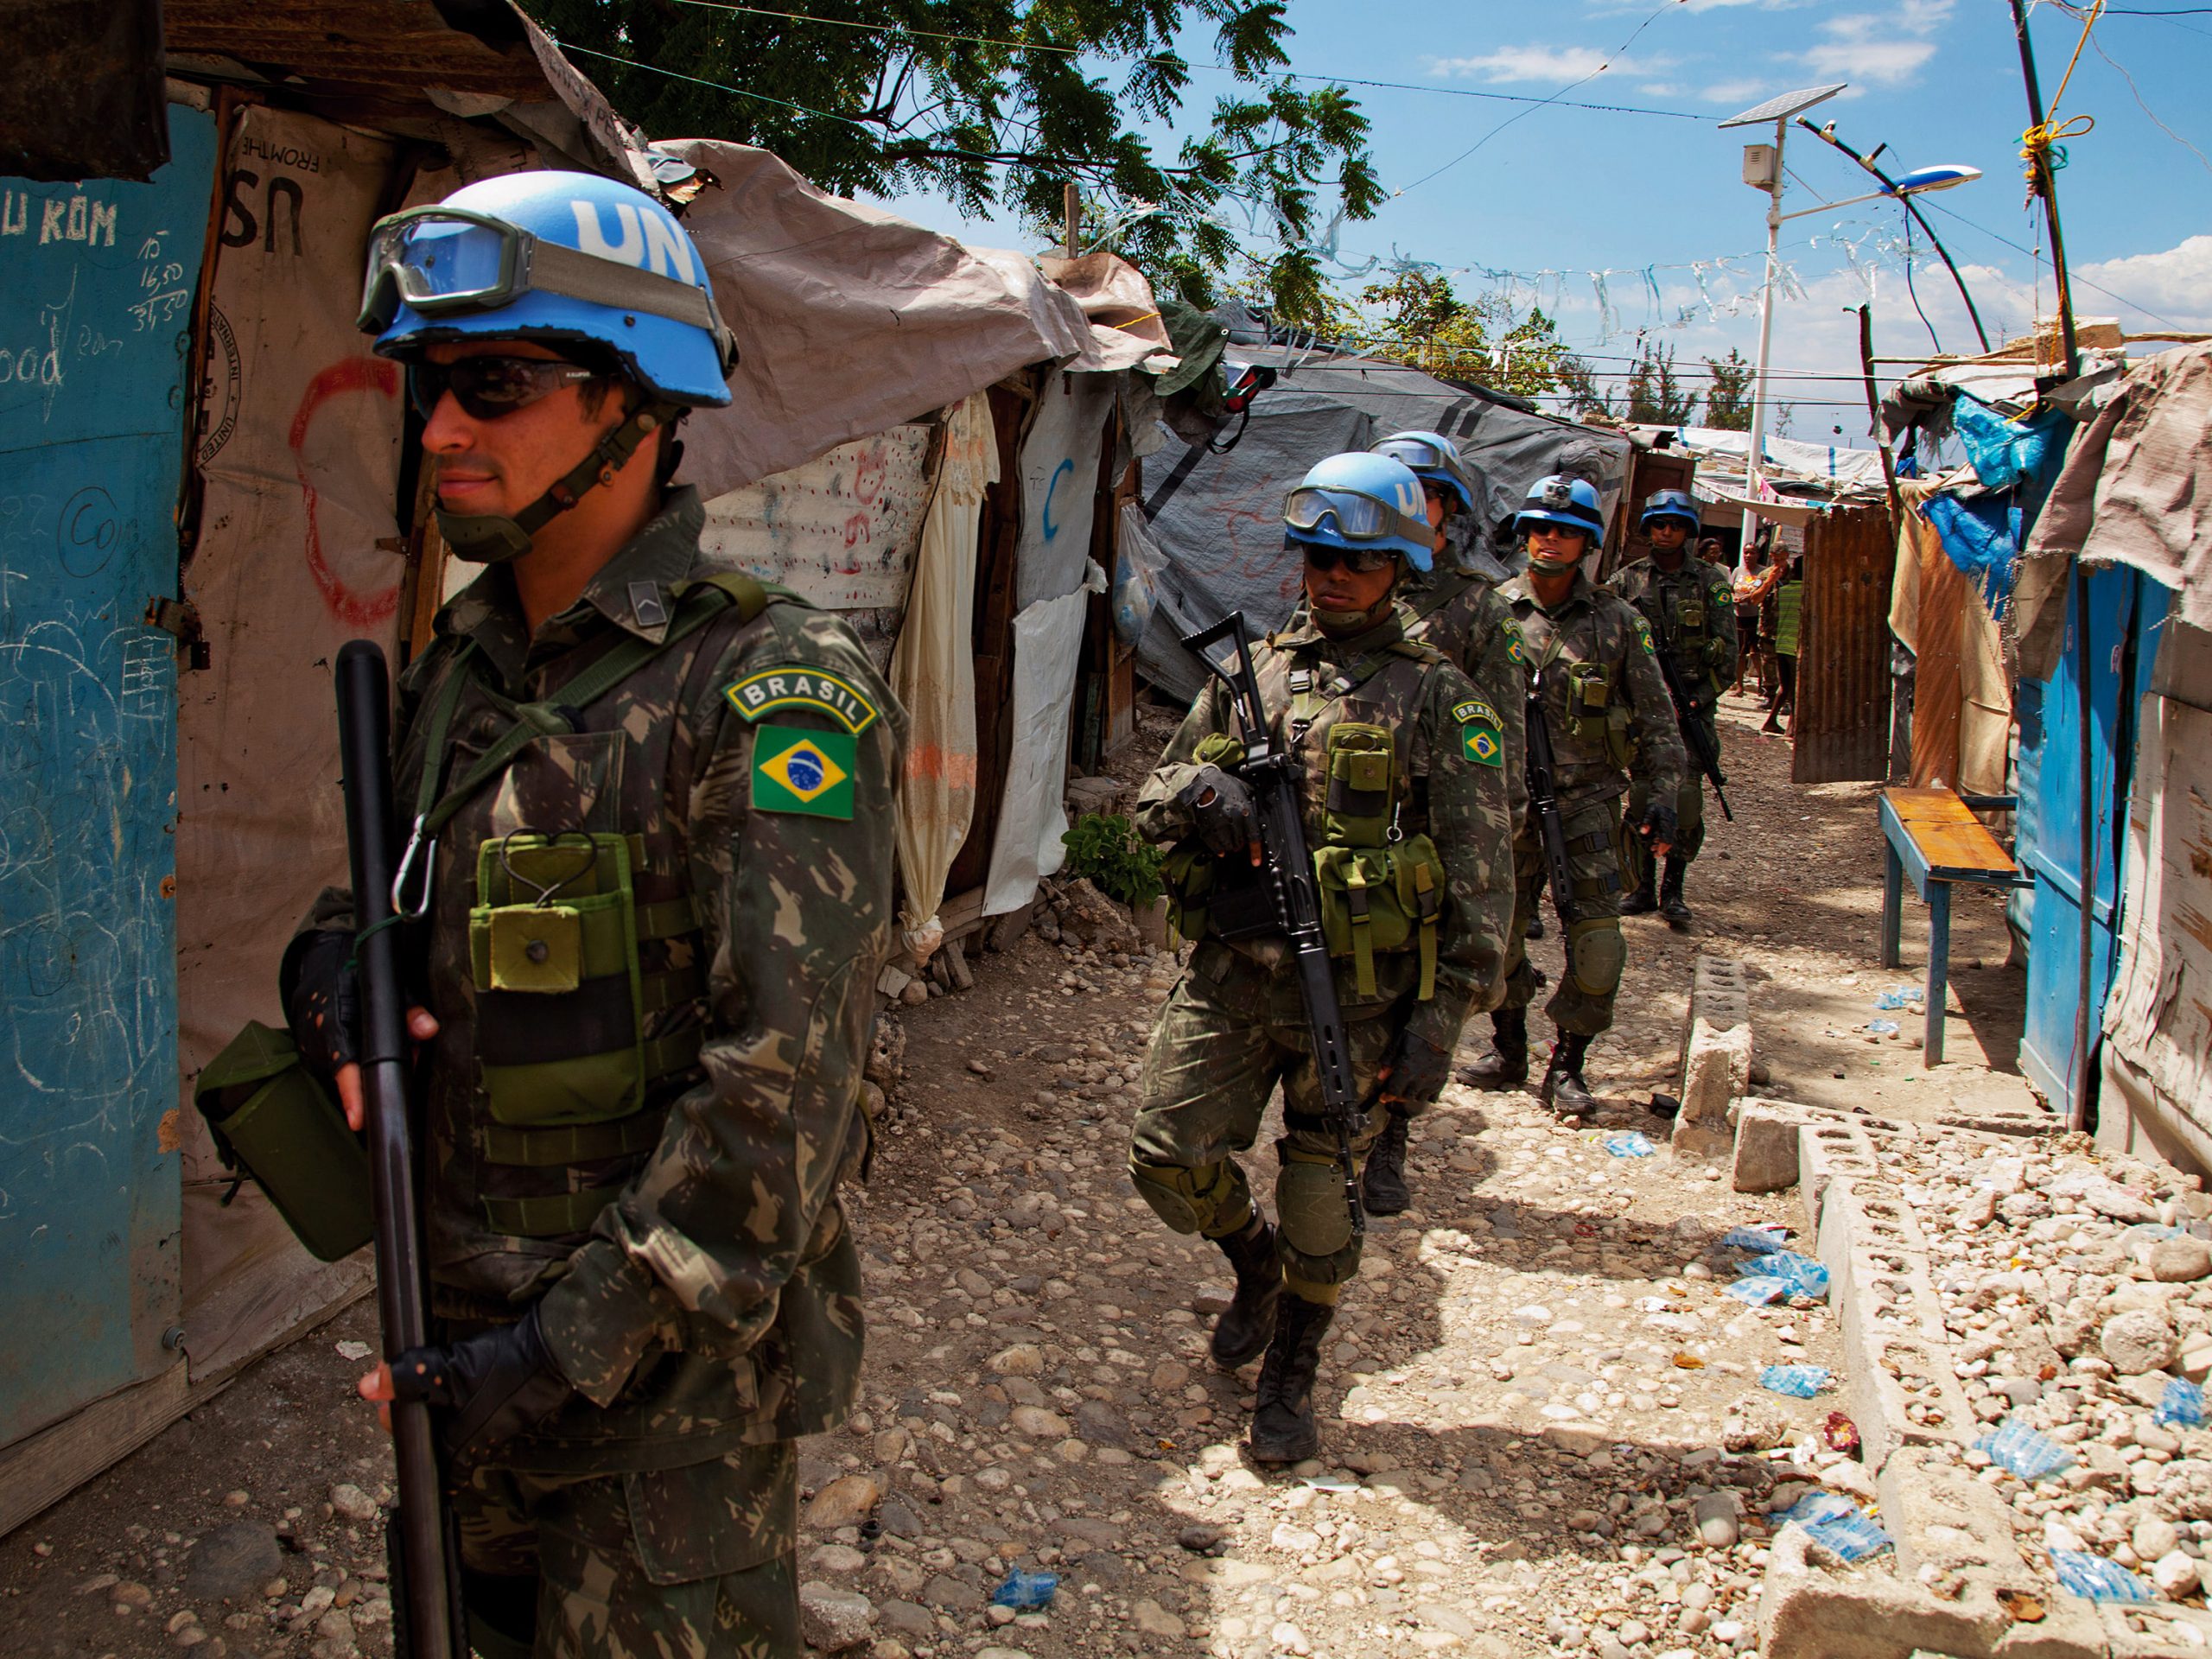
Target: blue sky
{"points": [[1574, 191]]}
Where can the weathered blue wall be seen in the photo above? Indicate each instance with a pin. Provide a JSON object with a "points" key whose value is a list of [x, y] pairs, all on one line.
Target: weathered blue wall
{"points": [[96, 289]]}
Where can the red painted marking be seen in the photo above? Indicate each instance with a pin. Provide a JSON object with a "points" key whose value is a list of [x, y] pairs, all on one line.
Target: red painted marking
{"points": [[868, 473], [375, 374], [856, 530]]}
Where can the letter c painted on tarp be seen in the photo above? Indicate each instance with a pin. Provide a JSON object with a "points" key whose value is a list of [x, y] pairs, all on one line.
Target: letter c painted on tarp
{"points": [[1050, 490]]}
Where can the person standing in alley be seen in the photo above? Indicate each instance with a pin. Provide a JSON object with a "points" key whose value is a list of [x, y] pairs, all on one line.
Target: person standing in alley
{"points": [[650, 890], [1454, 607], [1595, 676], [1405, 809], [1691, 608], [1788, 599]]}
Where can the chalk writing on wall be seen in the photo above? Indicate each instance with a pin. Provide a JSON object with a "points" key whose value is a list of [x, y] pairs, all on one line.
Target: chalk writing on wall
{"points": [[841, 529]]}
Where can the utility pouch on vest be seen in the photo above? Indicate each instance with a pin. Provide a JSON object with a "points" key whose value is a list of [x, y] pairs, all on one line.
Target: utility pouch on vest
{"points": [[1378, 900], [1589, 698], [1690, 619], [553, 951], [273, 1119], [1356, 809]]}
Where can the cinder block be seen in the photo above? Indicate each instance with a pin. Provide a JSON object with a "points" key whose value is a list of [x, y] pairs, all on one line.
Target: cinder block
{"points": [[1766, 1146], [1716, 1057]]}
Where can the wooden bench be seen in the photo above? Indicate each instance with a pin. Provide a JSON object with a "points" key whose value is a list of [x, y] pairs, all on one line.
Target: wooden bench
{"points": [[1933, 835]]}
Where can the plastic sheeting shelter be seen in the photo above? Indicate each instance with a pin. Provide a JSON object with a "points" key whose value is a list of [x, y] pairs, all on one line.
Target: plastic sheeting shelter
{"points": [[1217, 520]]}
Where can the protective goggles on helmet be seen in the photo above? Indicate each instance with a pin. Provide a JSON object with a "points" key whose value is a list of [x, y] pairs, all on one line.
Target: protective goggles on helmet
{"points": [[1417, 452], [449, 262], [488, 387], [1359, 517], [1362, 561]]}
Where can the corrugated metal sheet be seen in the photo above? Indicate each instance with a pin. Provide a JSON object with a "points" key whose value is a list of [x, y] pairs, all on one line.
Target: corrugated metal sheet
{"points": [[1842, 726], [363, 49]]}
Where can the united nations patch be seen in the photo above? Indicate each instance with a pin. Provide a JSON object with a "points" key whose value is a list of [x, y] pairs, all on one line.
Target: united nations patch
{"points": [[1482, 745], [803, 688], [809, 773]]}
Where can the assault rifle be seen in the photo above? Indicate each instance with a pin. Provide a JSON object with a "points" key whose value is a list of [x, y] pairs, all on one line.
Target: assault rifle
{"points": [[1704, 752], [421, 1542], [1543, 801], [1287, 867]]}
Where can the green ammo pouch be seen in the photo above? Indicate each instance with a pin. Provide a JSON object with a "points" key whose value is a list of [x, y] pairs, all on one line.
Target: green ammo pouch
{"points": [[1378, 900], [273, 1119], [1356, 811]]}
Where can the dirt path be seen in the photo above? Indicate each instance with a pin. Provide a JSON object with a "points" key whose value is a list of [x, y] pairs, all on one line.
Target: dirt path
{"points": [[1535, 1395]]}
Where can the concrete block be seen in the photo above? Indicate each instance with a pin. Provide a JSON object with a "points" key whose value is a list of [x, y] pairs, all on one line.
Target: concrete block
{"points": [[1716, 1057], [1947, 1521], [1828, 1152], [2156, 1630], [1766, 1146]]}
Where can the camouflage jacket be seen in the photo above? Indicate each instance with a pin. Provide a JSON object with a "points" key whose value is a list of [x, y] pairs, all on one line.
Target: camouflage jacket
{"points": [[716, 1301], [1597, 639], [1704, 656], [1458, 800], [1459, 612]]}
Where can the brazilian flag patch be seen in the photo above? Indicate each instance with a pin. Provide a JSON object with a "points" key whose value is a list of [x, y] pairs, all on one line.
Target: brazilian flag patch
{"points": [[810, 773], [1643, 632], [1513, 651], [1478, 733]]}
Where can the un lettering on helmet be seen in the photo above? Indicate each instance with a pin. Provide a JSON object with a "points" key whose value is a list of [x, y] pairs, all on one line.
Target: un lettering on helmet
{"points": [[648, 242]]}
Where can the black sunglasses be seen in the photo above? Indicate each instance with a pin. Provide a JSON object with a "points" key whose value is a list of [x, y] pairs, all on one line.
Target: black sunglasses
{"points": [[1363, 561], [488, 387]]}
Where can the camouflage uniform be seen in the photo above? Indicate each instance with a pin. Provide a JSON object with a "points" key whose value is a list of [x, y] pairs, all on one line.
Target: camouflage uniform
{"points": [[1594, 628], [1235, 1024], [1459, 612], [695, 1274], [1703, 653]]}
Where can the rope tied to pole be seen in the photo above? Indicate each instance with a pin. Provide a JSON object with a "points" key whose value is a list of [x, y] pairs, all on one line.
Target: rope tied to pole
{"points": [[2039, 145]]}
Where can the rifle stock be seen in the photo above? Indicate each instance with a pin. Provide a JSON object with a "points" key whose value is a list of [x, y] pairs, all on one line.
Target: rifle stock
{"points": [[1288, 869], [1703, 751], [425, 1563]]}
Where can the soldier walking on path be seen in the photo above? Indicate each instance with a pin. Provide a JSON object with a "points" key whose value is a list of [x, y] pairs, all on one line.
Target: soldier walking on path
{"points": [[1453, 607], [1691, 606], [1591, 654], [651, 863], [1405, 807]]}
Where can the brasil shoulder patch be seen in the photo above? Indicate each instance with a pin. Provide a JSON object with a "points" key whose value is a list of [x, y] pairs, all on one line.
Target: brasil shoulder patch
{"points": [[1479, 738], [803, 688], [1643, 632], [809, 773], [1513, 651]]}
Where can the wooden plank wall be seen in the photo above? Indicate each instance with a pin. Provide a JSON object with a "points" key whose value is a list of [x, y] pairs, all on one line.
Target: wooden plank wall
{"points": [[1843, 725]]}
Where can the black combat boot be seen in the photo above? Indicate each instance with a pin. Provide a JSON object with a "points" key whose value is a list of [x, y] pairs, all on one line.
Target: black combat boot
{"points": [[1563, 1090], [1643, 901], [1506, 1065], [1671, 904], [1535, 930], [1383, 1189], [1241, 1331], [1283, 1429]]}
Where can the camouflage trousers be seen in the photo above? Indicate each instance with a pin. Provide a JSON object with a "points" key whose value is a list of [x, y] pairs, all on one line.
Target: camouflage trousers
{"points": [[692, 1563], [1689, 805], [1595, 952], [1229, 1034]]}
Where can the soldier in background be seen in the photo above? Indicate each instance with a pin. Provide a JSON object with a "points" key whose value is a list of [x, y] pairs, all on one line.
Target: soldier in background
{"points": [[1691, 606], [1405, 783], [1591, 654], [1454, 607], [653, 856]]}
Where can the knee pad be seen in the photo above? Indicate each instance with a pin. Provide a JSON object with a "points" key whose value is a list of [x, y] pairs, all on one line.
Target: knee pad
{"points": [[1210, 1199], [1309, 1207], [1595, 955]]}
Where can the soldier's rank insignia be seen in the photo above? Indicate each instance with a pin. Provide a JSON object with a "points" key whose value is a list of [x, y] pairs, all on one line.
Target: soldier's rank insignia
{"points": [[809, 773], [1482, 744], [801, 688]]}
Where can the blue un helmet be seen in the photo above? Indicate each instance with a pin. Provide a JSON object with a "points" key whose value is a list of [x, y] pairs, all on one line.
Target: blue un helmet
{"points": [[1559, 500], [1358, 502], [593, 269], [1672, 504], [1434, 459]]}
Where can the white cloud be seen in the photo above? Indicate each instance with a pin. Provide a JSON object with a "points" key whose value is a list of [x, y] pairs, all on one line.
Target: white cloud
{"points": [[1663, 89], [2175, 283], [1544, 63], [1737, 91], [1879, 46]]}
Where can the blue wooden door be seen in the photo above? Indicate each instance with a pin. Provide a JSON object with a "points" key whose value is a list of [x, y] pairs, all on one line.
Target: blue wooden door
{"points": [[2126, 612], [96, 288]]}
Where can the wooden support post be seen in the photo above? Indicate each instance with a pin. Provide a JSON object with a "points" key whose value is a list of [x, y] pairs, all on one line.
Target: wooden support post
{"points": [[1071, 210]]}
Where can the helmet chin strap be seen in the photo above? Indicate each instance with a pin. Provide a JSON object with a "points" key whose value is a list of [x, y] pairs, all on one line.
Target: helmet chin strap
{"points": [[494, 539]]}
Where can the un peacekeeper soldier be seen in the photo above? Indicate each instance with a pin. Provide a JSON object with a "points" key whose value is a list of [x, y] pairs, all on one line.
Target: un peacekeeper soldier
{"points": [[1454, 607], [1691, 606], [1406, 811], [1591, 654], [647, 953]]}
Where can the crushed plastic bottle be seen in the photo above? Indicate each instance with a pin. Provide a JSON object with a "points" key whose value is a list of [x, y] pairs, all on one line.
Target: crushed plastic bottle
{"points": [[2181, 1406], [1803, 1382], [1632, 1143], [2097, 1579], [1905, 996], [1763, 1239], [1756, 1291], [1838, 1524], [1800, 1274], [1024, 1590], [1882, 1028], [2012, 1446]]}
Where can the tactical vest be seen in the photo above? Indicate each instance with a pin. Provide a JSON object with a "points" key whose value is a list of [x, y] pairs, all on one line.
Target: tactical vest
{"points": [[1381, 889], [1595, 718]]}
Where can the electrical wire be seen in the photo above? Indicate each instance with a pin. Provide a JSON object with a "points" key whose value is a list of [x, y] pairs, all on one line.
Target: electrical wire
{"points": [[1912, 293], [2135, 92], [1180, 63], [2079, 280]]}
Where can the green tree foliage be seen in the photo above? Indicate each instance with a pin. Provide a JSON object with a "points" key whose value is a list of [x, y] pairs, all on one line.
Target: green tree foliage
{"points": [[1416, 318], [995, 104], [1728, 404], [1657, 395]]}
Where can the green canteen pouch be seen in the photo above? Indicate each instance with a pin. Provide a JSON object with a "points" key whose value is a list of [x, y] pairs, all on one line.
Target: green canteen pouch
{"points": [[1379, 901], [273, 1119], [1589, 691], [1356, 811], [553, 954]]}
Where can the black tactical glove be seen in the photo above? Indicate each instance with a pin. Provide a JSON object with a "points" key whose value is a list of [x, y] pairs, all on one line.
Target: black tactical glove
{"points": [[493, 1386], [1419, 1071], [1221, 811], [321, 999], [1658, 823]]}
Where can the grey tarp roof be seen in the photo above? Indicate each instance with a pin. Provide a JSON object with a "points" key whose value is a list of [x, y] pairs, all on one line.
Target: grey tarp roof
{"points": [[1218, 518]]}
